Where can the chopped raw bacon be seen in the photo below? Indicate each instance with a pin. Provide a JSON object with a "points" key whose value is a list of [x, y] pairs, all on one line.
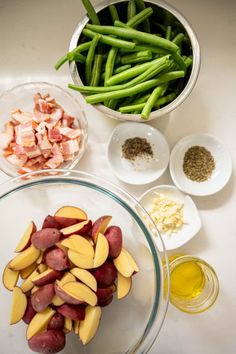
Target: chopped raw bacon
{"points": [[70, 147], [42, 139], [70, 133]]}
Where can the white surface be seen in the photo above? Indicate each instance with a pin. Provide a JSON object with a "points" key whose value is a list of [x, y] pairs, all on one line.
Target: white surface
{"points": [[142, 170], [192, 222], [220, 175], [33, 34]]}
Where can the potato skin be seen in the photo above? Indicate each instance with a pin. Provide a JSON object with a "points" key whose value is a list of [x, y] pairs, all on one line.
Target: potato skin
{"points": [[105, 274], [51, 341], [29, 312], [74, 312], [45, 238], [56, 322], [50, 222], [65, 297], [105, 296], [42, 297], [57, 259], [65, 222], [51, 277], [114, 237]]}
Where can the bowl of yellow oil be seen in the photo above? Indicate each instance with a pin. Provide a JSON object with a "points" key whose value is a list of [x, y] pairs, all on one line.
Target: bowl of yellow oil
{"points": [[194, 285]]}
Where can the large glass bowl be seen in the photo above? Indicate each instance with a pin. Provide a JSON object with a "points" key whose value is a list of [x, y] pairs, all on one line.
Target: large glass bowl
{"points": [[162, 9], [21, 96], [127, 326]]}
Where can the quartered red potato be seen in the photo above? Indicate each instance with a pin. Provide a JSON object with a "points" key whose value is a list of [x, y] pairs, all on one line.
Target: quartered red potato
{"points": [[44, 138]]}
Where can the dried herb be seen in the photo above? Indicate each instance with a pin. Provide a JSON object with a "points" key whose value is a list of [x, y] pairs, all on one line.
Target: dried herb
{"points": [[134, 147], [198, 164]]}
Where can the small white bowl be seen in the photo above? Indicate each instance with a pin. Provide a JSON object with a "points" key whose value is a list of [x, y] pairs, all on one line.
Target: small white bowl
{"points": [[142, 170], [192, 221], [220, 175]]}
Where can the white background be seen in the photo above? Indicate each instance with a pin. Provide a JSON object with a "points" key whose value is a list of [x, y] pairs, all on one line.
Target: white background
{"points": [[34, 34]]}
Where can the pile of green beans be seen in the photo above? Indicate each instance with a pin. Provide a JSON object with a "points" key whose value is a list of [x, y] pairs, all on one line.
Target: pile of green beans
{"points": [[134, 65]]}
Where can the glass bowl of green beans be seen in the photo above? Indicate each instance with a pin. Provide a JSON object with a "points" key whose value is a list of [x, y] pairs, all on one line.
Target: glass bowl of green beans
{"points": [[133, 60]]}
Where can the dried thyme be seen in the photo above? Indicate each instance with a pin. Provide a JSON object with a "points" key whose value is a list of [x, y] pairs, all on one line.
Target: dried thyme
{"points": [[198, 164], [136, 147]]}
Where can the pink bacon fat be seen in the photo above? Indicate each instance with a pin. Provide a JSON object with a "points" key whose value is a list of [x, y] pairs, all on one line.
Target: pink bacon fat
{"points": [[42, 139]]}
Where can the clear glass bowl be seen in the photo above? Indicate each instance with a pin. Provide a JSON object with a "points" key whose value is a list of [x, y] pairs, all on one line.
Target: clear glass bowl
{"points": [[190, 81], [21, 96], [127, 326]]}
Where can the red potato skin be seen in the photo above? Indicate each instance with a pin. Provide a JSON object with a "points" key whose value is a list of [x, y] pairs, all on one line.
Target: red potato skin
{"points": [[51, 341], [56, 322], [45, 238], [65, 222], [82, 232], [65, 297], [42, 297], [50, 278], [29, 312], [114, 237], [105, 296], [106, 274], [30, 239], [57, 259], [74, 312], [50, 222], [100, 225]]}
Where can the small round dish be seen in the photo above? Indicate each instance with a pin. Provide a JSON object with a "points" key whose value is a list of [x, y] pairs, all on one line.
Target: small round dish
{"points": [[220, 175], [142, 170], [192, 221], [21, 97]]}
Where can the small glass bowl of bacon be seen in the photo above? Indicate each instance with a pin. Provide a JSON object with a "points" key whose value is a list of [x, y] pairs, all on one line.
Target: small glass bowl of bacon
{"points": [[42, 126]]}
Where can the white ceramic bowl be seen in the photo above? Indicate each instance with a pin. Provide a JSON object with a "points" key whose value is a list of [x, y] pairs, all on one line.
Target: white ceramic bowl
{"points": [[220, 175], [192, 220], [142, 170]]}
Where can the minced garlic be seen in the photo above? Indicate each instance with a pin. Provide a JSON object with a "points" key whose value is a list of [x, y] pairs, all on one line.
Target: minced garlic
{"points": [[167, 214]]}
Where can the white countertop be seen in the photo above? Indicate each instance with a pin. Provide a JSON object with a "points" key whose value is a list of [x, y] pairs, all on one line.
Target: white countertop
{"points": [[34, 34]]}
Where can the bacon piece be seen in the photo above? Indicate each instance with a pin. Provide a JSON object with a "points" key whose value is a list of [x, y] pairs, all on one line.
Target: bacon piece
{"points": [[7, 136], [55, 116], [19, 150], [70, 147], [17, 161], [25, 134], [7, 152], [69, 157], [21, 117], [70, 133], [57, 158], [54, 135], [40, 160], [32, 151], [44, 144], [41, 128], [41, 104], [40, 117], [67, 121]]}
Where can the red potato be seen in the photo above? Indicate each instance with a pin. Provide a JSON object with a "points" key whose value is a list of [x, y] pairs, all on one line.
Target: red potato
{"points": [[56, 322], [50, 222], [113, 235], [105, 296], [100, 226], [65, 222], [29, 312], [45, 238], [57, 259], [82, 228], [47, 277], [51, 341], [74, 312], [42, 297], [66, 297], [106, 274]]}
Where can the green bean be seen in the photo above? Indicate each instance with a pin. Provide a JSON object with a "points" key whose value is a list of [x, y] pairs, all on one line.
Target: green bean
{"points": [[101, 97], [137, 57], [168, 33], [140, 17], [179, 60], [82, 47], [131, 10], [131, 33], [139, 106], [142, 47], [97, 69], [146, 75], [113, 12], [60, 62], [117, 70], [156, 93], [132, 72], [142, 99], [146, 24], [119, 23], [188, 61], [178, 39], [110, 63], [91, 12], [90, 58], [114, 42], [76, 57]]}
